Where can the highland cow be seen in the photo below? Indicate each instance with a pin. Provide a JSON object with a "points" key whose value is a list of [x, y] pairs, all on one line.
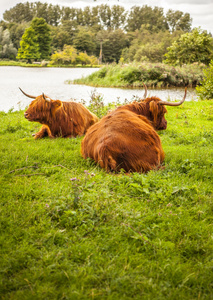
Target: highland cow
{"points": [[127, 139], [59, 118]]}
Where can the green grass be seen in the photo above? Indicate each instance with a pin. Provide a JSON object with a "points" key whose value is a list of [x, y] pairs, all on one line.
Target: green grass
{"points": [[69, 230]]}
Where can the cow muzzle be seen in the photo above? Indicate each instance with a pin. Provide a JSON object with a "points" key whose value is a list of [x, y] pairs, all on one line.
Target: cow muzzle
{"points": [[25, 115]]}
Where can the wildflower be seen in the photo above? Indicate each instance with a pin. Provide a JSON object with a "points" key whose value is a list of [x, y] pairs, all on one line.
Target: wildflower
{"points": [[47, 205], [73, 179], [169, 205]]}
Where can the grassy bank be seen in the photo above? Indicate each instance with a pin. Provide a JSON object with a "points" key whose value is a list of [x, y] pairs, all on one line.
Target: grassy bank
{"points": [[43, 65], [153, 75], [71, 231]]}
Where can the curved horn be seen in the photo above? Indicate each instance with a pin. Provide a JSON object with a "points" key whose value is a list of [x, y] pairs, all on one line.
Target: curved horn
{"points": [[29, 96], [45, 97], [174, 103], [145, 93]]}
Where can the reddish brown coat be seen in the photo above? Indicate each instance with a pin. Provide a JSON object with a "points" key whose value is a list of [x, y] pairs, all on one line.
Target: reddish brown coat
{"points": [[151, 109], [125, 138], [64, 119]]}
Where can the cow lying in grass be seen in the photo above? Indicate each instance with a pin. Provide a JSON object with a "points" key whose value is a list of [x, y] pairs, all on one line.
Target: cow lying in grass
{"points": [[126, 137], [64, 119]]}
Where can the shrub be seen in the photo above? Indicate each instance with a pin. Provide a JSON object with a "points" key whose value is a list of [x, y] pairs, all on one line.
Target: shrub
{"points": [[205, 90]]}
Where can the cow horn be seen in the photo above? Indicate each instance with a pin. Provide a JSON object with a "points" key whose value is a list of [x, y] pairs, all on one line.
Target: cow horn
{"points": [[33, 97], [45, 98], [145, 93], [174, 103]]}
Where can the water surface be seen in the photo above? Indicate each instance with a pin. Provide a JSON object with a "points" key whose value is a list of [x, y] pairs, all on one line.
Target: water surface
{"points": [[51, 81]]}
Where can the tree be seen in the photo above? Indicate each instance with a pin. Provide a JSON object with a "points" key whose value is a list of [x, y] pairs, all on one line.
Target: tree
{"points": [[42, 32], [69, 56], [196, 46], [22, 12], [113, 41], [177, 20], [36, 38], [16, 32], [105, 16], [7, 49], [146, 15], [84, 40], [118, 17], [29, 46], [53, 15], [60, 37], [149, 46]]}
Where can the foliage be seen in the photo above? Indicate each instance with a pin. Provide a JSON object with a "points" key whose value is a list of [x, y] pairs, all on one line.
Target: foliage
{"points": [[96, 104], [69, 230], [29, 47], [7, 49], [42, 32], [84, 40], [153, 75], [110, 31], [177, 20], [111, 48], [148, 46], [70, 56], [67, 56], [205, 89], [35, 43], [16, 32], [195, 46], [146, 15]]}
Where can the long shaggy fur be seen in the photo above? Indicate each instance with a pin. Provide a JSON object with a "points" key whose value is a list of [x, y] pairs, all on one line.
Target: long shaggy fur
{"points": [[151, 109], [64, 119], [126, 138]]}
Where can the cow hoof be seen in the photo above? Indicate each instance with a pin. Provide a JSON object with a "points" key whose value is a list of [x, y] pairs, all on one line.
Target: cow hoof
{"points": [[33, 134]]}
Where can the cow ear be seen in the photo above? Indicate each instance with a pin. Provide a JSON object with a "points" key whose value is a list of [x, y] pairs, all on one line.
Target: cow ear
{"points": [[154, 110]]}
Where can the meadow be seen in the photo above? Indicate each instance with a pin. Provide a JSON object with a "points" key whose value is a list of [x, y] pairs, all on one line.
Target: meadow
{"points": [[69, 230]]}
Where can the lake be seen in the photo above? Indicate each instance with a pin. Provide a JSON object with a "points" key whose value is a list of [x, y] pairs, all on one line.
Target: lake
{"points": [[51, 81]]}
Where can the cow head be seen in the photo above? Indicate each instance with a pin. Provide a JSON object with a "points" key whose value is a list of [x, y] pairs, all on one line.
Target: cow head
{"points": [[42, 109], [157, 111]]}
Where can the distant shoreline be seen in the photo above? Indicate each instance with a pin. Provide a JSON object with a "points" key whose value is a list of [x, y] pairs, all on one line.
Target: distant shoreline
{"points": [[8, 63]]}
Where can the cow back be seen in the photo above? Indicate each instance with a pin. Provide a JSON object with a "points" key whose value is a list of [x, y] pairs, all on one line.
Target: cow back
{"points": [[123, 140], [72, 119]]}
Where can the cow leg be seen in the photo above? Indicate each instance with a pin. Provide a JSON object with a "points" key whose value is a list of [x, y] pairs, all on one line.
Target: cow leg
{"points": [[43, 132]]}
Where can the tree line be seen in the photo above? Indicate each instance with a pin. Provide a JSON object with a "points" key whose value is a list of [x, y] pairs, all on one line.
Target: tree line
{"points": [[101, 17], [111, 34]]}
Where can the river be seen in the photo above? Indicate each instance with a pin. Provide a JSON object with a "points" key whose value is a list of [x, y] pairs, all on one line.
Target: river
{"points": [[51, 81]]}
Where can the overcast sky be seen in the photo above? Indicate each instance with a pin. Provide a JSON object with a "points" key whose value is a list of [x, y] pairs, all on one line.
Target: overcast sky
{"points": [[201, 11]]}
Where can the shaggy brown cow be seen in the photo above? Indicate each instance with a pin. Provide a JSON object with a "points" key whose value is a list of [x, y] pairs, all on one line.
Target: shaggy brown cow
{"points": [[65, 119], [126, 138]]}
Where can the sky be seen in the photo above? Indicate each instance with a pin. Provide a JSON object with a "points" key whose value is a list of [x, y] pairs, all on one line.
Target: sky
{"points": [[201, 11]]}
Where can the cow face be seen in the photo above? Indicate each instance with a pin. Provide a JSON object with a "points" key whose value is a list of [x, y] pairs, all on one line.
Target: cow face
{"points": [[42, 109], [157, 115]]}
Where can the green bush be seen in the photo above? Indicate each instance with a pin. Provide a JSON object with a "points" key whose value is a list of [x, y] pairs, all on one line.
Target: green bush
{"points": [[205, 90], [132, 75]]}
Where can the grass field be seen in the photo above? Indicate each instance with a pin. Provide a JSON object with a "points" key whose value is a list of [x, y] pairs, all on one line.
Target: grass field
{"points": [[69, 230]]}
